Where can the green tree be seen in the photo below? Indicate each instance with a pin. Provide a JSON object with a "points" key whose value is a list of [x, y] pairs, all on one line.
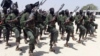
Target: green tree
{"points": [[89, 7]]}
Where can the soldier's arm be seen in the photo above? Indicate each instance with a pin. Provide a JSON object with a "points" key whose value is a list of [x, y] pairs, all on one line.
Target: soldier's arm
{"points": [[7, 20], [31, 17], [46, 21]]}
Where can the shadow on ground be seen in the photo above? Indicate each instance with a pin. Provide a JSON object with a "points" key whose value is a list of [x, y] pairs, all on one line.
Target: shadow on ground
{"points": [[90, 38], [71, 45], [40, 53], [12, 45], [39, 45], [57, 49], [24, 48]]}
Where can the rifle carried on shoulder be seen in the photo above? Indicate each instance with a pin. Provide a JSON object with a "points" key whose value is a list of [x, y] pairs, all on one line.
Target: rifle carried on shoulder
{"points": [[57, 12], [67, 20], [40, 4]]}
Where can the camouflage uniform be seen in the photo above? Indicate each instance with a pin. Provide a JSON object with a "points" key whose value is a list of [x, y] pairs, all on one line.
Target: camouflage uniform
{"points": [[62, 25], [82, 27], [30, 30], [52, 29], [14, 26], [69, 30]]}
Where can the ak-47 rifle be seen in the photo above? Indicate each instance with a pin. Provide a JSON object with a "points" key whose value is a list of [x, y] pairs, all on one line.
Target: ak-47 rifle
{"points": [[16, 19], [40, 4], [67, 20], [76, 9], [86, 12], [83, 15], [89, 12], [57, 12]]}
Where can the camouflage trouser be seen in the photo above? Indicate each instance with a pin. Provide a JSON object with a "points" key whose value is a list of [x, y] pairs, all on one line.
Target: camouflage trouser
{"points": [[91, 29], [69, 30], [62, 28], [31, 39], [82, 30], [25, 34], [54, 35], [37, 31], [48, 29], [1, 30], [77, 27], [6, 32], [41, 28], [16, 30], [95, 25], [32, 34]]}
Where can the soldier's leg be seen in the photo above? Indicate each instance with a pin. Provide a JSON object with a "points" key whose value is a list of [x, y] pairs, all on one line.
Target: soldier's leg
{"points": [[77, 27], [60, 27], [53, 39], [25, 36], [55, 35], [87, 30], [92, 30], [96, 26], [41, 31], [36, 34], [6, 35], [72, 32], [63, 30], [17, 35], [51, 43], [45, 29], [31, 42], [0, 33], [67, 38], [82, 33]]}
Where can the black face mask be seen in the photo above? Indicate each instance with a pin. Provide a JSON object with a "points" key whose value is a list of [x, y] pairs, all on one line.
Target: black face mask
{"points": [[71, 19], [63, 13], [67, 13], [52, 11], [88, 13], [16, 12], [28, 8], [5, 10], [77, 13], [81, 12]]}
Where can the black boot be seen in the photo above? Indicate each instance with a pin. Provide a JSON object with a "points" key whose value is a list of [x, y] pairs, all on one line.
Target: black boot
{"points": [[7, 44], [66, 44], [17, 47], [31, 48]]}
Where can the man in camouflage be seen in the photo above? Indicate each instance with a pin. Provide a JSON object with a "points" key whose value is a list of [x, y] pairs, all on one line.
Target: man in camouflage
{"points": [[51, 19]]}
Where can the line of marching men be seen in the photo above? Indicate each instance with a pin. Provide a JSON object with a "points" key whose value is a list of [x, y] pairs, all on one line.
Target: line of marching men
{"points": [[33, 22]]}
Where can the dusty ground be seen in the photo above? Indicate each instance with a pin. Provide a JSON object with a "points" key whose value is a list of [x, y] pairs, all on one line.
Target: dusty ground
{"points": [[90, 47]]}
